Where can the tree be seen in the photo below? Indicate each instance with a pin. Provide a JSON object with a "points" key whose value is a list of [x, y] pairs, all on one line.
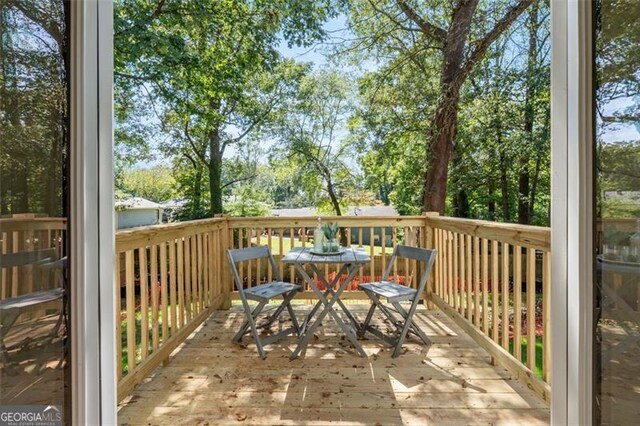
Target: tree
{"points": [[34, 118], [312, 135], [458, 33], [154, 183], [208, 63]]}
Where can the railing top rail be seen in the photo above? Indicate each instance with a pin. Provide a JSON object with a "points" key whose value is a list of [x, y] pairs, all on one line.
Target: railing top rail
{"points": [[537, 237], [131, 238], [33, 224], [307, 221]]}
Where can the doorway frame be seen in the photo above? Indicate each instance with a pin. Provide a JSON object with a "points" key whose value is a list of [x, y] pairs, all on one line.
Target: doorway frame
{"points": [[572, 225], [92, 229]]}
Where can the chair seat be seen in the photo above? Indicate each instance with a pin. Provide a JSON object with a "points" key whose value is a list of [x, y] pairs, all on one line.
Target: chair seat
{"points": [[270, 290], [390, 290], [30, 300]]}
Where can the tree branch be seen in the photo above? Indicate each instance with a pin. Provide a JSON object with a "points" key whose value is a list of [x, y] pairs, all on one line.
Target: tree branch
{"points": [[482, 45], [192, 143], [237, 181], [430, 30]]}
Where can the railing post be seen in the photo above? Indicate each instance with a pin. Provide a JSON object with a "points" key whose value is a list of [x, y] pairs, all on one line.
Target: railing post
{"points": [[429, 243], [226, 243]]}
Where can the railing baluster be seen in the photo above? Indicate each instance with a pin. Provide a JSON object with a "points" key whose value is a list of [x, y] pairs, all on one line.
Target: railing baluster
{"points": [[531, 309], [269, 267], [517, 302], [164, 297], [394, 243], [372, 271], [469, 279], [485, 286], [463, 276], [155, 332], [118, 296], [456, 273], [144, 303], [172, 287], [201, 279], [131, 309], [291, 246], [476, 281], [181, 302], [495, 285], [187, 278], [281, 247], [546, 315], [505, 296], [250, 262], [450, 268]]}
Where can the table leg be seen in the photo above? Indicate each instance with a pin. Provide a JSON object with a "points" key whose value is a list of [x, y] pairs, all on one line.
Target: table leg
{"points": [[328, 309]]}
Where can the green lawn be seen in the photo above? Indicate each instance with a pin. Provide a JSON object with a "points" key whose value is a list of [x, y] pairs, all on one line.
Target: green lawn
{"points": [[538, 371]]}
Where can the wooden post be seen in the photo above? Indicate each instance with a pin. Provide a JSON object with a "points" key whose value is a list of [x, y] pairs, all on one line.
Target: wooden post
{"points": [[429, 243], [227, 236]]}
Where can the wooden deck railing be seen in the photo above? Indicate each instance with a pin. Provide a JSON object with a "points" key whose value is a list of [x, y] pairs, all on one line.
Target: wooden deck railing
{"points": [[377, 235], [171, 277], [28, 233], [493, 279]]}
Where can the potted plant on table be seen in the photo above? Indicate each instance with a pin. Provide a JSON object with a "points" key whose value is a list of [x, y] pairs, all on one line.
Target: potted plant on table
{"points": [[330, 243]]}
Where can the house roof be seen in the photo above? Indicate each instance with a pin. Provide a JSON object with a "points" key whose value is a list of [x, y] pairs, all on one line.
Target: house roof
{"points": [[137, 203], [350, 211]]}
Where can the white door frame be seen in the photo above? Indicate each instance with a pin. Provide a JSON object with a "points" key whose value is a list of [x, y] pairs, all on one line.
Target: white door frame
{"points": [[91, 214], [572, 211], [93, 338]]}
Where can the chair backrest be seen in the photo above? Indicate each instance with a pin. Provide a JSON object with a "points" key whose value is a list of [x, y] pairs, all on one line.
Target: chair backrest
{"points": [[35, 268], [250, 253], [427, 256]]}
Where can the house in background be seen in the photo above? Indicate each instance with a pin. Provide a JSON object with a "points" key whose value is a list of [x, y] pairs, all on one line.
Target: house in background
{"points": [[137, 211], [365, 211]]}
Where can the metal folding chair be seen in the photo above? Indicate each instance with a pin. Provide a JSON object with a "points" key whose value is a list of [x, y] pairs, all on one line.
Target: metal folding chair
{"points": [[262, 294], [11, 308], [396, 293]]}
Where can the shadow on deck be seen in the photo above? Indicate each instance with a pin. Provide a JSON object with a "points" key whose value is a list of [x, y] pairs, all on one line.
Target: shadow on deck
{"points": [[210, 380]]}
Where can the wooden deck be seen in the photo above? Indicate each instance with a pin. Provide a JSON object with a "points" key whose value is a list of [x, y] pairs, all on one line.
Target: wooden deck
{"points": [[209, 381]]}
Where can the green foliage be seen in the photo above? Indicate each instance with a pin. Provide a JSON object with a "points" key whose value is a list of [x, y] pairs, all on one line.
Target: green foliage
{"points": [[312, 136], [210, 69], [34, 111], [155, 183]]}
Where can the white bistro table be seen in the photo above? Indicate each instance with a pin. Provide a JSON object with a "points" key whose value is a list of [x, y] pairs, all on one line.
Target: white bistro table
{"points": [[351, 259]]}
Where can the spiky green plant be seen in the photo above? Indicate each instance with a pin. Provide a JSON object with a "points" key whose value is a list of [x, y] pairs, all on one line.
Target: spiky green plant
{"points": [[330, 230]]}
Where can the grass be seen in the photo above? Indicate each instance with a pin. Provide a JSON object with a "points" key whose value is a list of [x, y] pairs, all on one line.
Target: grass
{"points": [[538, 370]]}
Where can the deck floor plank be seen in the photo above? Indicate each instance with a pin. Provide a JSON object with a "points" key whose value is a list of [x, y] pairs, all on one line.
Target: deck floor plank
{"points": [[210, 380]]}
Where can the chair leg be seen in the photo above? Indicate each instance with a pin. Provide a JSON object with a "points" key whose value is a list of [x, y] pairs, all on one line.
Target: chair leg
{"points": [[405, 328], [363, 329], [292, 314], [245, 325], [414, 327]]}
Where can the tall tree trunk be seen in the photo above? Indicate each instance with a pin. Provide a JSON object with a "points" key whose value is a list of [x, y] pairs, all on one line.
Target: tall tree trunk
{"points": [[491, 205], [524, 178], [445, 120], [216, 151], [215, 171], [523, 192], [333, 197], [197, 189], [504, 187]]}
